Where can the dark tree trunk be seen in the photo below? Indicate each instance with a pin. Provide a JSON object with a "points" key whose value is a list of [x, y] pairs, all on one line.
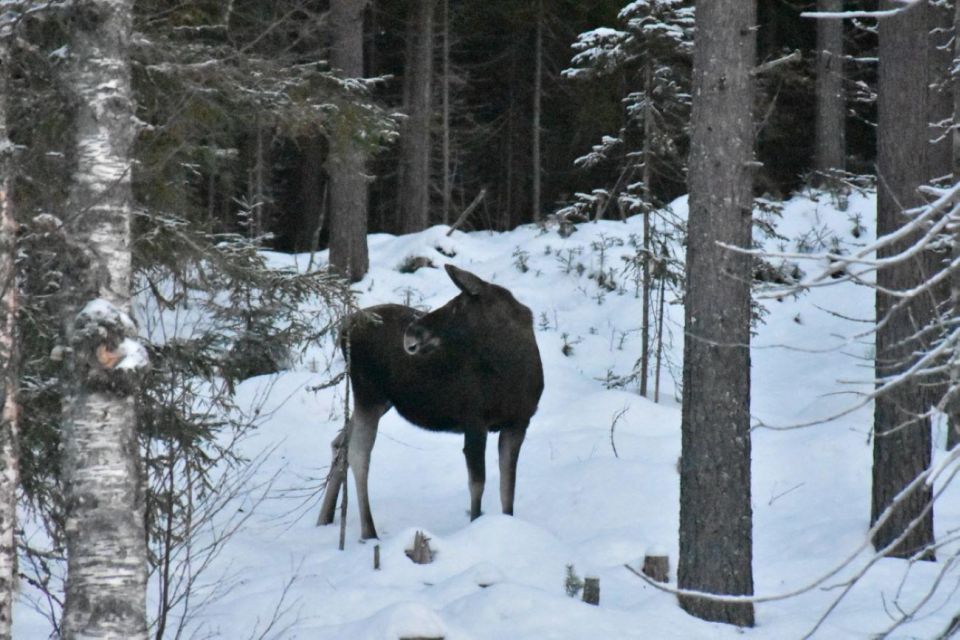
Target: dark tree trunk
{"points": [[445, 97], [415, 132], [939, 94], [940, 151], [953, 408], [716, 545], [312, 190], [831, 106], [901, 445], [537, 104], [347, 164]]}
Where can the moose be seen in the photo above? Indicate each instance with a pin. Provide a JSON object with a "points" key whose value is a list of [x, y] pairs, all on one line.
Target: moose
{"points": [[471, 367]]}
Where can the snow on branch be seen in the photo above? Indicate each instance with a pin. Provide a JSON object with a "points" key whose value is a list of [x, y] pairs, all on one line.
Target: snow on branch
{"points": [[843, 15]]}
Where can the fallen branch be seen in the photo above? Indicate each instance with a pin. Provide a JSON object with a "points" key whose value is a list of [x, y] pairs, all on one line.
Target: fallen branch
{"points": [[466, 212], [767, 66]]}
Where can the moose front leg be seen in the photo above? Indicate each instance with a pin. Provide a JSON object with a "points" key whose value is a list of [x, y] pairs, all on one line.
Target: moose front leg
{"points": [[474, 449]]}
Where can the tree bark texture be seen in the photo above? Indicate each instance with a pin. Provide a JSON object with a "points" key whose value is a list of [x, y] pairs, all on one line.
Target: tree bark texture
{"points": [[9, 457], [445, 96], [830, 152], [105, 536], [940, 151], [415, 132], [537, 107], [953, 408], [716, 545], [902, 440], [312, 194], [939, 93], [347, 164]]}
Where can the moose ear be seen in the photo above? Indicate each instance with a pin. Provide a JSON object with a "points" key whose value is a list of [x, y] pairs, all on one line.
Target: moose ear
{"points": [[465, 281]]}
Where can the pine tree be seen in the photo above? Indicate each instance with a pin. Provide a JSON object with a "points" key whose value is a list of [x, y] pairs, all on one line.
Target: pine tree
{"points": [[415, 133], [347, 163], [902, 436], [716, 543], [652, 53], [830, 154]]}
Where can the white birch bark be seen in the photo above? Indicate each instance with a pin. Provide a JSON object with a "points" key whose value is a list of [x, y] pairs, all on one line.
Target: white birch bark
{"points": [[106, 545], [9, 459]]}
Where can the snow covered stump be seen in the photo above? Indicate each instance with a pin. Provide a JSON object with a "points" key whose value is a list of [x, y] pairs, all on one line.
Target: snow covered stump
{"points": [[421, 553], [591, 590], [656, 567]]}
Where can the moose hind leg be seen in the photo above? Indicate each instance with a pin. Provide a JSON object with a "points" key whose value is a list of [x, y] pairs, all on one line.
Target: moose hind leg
{"points": [[474, 449], [363, 433], [511, 438]]}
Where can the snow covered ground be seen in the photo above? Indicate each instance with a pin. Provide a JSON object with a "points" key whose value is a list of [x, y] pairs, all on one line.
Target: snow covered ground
{"points": [[579, 501]]}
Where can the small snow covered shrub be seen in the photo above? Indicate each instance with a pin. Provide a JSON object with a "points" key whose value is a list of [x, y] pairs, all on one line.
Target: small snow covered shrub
{"points": [[573, 584]]}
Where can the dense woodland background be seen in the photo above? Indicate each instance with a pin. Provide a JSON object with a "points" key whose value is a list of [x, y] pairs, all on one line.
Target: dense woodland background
{"points": [[239, 104]]}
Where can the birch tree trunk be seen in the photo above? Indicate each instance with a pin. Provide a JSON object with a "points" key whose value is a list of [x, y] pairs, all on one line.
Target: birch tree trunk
{"points": [[902, 440], [105, 536], [347, 165], [415, 133], [716, 543], [831, 108], [9, 458]]}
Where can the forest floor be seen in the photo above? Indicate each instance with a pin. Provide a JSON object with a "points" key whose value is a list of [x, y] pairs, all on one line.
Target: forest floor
{"points": [[598, 485]]}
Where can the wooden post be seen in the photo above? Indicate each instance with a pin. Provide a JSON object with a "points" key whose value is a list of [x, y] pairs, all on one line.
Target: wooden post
{"points": [[657, 568], [591, 590], [376, 557]]}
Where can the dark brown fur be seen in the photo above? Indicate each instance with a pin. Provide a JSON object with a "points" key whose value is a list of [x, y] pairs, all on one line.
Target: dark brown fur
{"points": [[471, 367]]}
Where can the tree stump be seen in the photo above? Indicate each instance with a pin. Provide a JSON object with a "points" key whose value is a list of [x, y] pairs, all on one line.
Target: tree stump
{"points": [[657, 568], [421, 553], [591, 590]]}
